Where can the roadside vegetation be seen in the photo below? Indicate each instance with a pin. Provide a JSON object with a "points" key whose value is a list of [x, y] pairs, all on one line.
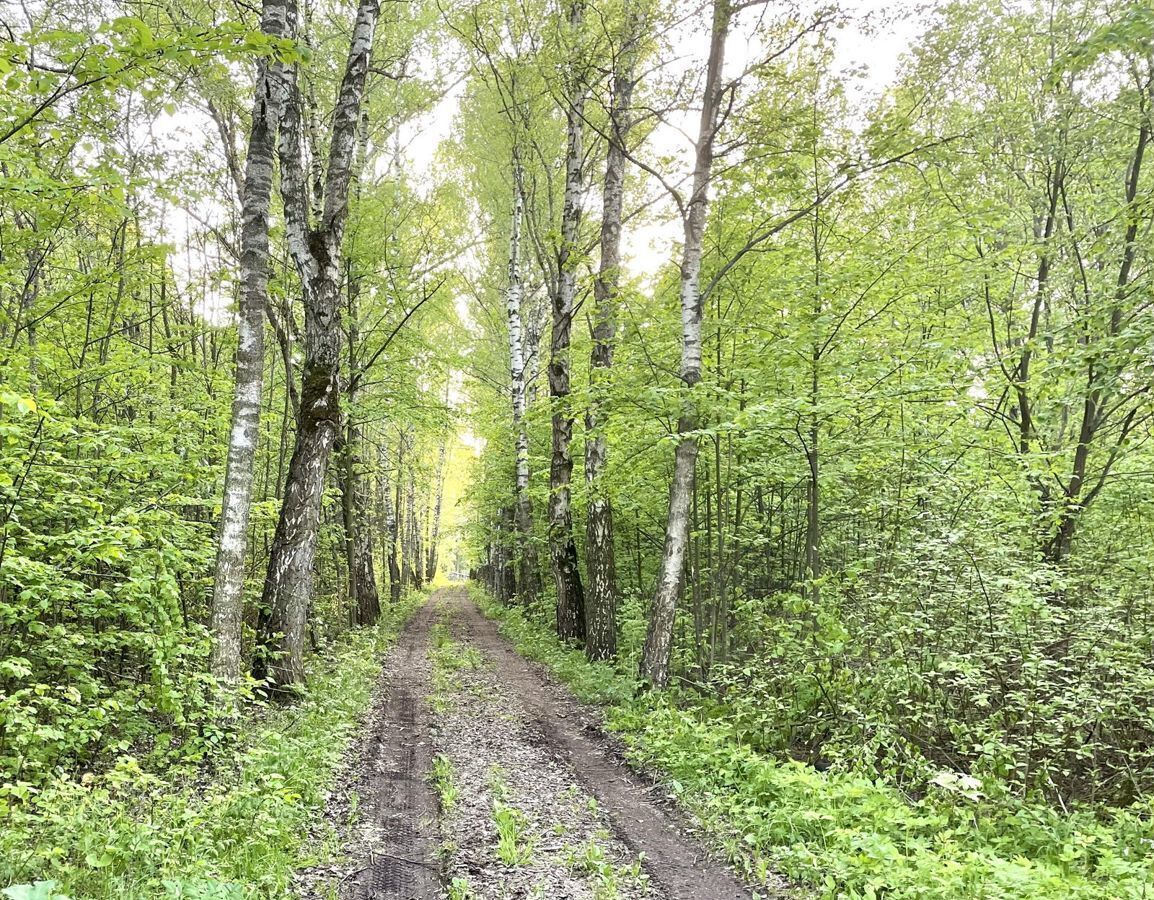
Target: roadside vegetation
{"points": [[233, 825], [846, 832], [792, 361]]}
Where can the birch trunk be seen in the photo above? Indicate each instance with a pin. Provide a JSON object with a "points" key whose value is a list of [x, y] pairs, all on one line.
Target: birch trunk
{"points": [[562, 549], [277, 19], [530, 570], [316, 251], [601, 604], [435, 527], [657, 652]]}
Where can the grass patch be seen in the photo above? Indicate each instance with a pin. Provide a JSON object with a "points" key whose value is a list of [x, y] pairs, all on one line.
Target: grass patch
{"points": [[460, 890], [234, 833], [449, 657], [851, 836], [514, 841], [589, 860], [443, 780], [514, 844]]}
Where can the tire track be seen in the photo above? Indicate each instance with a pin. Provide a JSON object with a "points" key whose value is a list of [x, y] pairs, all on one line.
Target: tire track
{"points": [[677, 864], [398, 824]]}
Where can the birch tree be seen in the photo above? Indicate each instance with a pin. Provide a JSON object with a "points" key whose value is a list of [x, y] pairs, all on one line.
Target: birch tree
{"points": [[658, 648], [316, 250], [529, 576], [278, 20], [562, 549], [601, 604]]}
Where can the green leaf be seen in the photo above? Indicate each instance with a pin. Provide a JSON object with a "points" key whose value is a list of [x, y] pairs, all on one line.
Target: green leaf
{"points": [[40, 890]]}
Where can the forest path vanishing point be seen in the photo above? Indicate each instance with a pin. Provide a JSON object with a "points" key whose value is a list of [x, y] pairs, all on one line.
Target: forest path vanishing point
{"points": [[533, 801]]}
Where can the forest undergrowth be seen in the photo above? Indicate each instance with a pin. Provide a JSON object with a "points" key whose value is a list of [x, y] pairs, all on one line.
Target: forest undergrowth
{"points": [[792, 360], [234, 825], [847, 831]]}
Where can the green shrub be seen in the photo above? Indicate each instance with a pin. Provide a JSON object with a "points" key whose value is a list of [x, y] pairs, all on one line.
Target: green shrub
{"points": [[234, 829]]}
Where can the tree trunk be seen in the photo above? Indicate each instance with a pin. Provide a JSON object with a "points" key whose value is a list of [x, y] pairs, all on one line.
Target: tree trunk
{"points": [[412, 551], [354, 499], [601, 604], [1075, 495], [530, 570], [278, 20], [658, 649], [562, 549], [504, 574], [435, 527], [401, 525], [316, 251], [358, 537], [389, 522], [813, 446]]}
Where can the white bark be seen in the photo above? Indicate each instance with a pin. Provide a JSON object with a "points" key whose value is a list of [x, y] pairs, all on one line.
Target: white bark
{"points": [[316, 250], [658, 647], [278, 20], [523, 509]]}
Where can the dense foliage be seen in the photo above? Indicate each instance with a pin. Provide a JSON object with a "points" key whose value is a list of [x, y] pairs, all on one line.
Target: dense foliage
{"points": [[844, 833], [918, 541], [817, 403], [122, 158], [238, 830]]}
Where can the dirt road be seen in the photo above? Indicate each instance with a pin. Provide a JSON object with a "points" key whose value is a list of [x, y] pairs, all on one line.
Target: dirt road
{"points": [[483, 779]]}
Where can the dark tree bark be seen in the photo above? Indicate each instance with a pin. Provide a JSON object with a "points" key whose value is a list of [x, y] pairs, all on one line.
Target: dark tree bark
{"points": [[504, 575], [358, 536], [316, 251], [403, 563], [435, 526], [355, 486], [562, 549], [601, 604], [388, 520], [412, 561]]}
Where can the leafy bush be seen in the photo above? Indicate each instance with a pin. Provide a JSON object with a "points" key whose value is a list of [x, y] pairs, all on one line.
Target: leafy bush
{"points": [[101, 551]]}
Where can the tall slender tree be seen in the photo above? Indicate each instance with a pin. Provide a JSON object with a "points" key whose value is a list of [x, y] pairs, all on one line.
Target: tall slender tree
{"points": [[657, 651], [278, 20], [562, 548], [435, 524], [388, 516], [601, 603], [529, 574]]}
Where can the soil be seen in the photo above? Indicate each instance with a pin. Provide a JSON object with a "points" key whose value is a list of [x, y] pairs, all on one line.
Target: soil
{"points": [[535, 800]]}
